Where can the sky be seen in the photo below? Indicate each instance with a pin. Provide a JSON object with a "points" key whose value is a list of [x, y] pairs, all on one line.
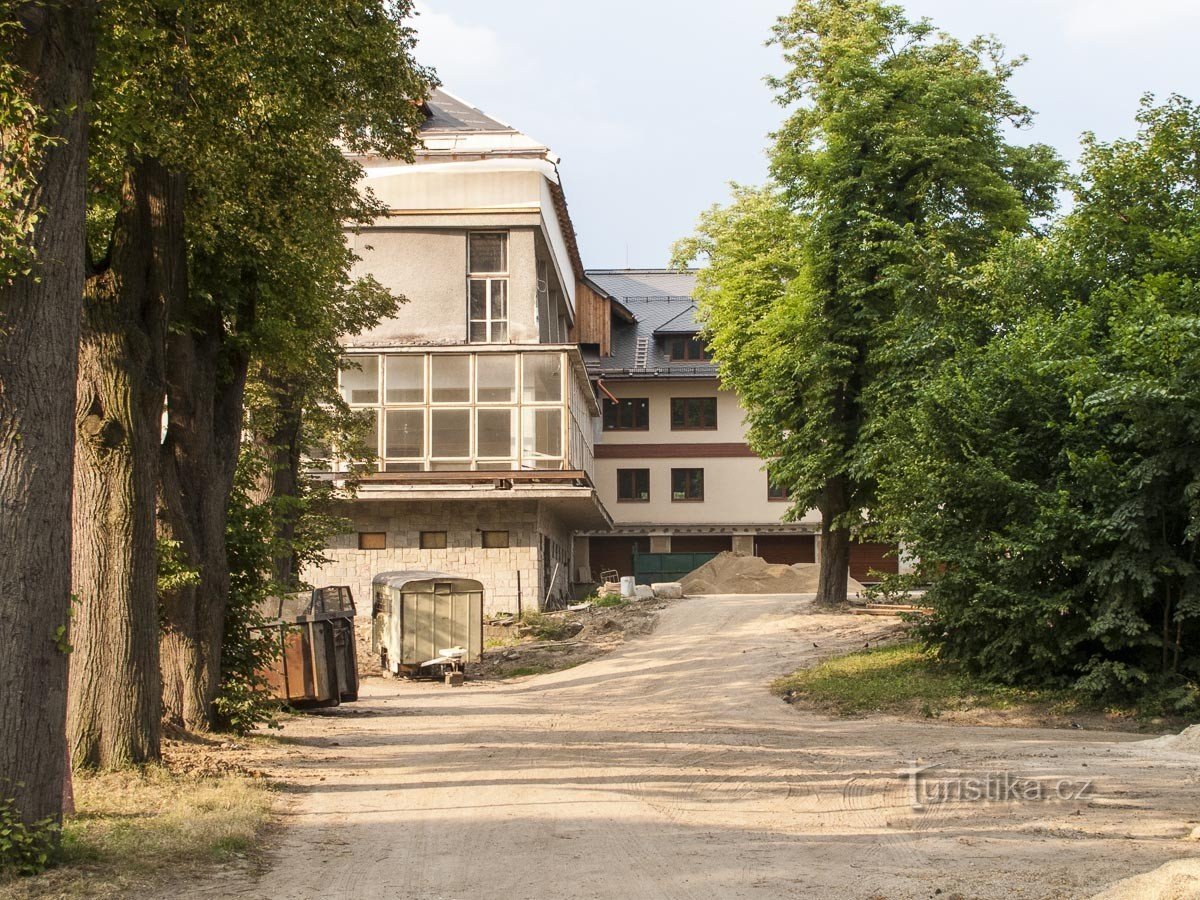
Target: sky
{"points": [[655, 106]]}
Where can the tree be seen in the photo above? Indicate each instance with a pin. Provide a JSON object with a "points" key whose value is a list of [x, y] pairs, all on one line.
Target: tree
{"points": [[222, 190], [46, 57], [1048, 479], [891, 179]]}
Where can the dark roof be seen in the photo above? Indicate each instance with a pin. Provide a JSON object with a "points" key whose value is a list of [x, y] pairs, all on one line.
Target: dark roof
{"points": [[448, 113], [662, 306]]}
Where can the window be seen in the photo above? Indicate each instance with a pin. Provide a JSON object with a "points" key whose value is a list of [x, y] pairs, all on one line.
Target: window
{"points": [[541, 437], [360, 379], [404, 378], [487, 294], [495, 435], [372, 540], [451, 378], [404, 434], [542, 378], [627, 414], [687, 484], [496, 378], [450, 433], [433, 540], [687, 348], [696, 413], [777, 492], [633, 485], [495, 540]]}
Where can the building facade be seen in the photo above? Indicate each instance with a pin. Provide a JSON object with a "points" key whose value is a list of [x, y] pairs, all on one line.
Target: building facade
{"points": [[535, 424]]}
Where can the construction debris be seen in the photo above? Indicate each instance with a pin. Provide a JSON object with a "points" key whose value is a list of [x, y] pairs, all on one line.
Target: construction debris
{"points": [[667, 590], [738, 573]]}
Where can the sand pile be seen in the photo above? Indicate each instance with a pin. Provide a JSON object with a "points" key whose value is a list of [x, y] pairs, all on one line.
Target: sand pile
{"points": [[1187, 741], [1178, 880], [736, 573]]}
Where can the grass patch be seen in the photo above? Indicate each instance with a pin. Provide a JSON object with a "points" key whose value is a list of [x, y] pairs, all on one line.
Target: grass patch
{"points": [[905, 679], [610, 600], [546, 628], [134, 829]]}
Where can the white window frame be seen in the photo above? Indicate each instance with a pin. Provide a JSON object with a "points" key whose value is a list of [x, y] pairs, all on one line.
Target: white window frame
{"points": [[489, 280]]}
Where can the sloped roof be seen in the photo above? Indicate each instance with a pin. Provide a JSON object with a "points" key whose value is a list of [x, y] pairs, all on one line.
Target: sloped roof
{"points": [[448, 113], [662, 306], [622, 283]]}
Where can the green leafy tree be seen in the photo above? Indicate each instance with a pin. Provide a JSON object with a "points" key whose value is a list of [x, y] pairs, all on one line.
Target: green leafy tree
{"points": [[1048, 480], [891, 179], [225, 173]]}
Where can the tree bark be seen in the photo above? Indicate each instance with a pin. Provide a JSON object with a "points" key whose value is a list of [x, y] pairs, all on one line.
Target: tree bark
{"points": [[835, 545], [115, 707], [39, 333], [205, 398]]}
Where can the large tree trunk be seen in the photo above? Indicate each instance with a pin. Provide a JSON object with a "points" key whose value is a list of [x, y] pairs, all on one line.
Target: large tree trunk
{"points": [[116, 686], [835, 545], [39, 333], [278, 442], [205, 390]]}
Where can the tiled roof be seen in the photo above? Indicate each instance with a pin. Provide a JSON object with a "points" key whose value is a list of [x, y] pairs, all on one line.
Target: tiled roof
{"points": [[448, 113], [662, 306]]}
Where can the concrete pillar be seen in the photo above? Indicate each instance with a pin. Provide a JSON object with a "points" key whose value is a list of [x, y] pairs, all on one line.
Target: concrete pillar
{"points": [[583, 556], [818, 547], [660, 543], [743, 543]]}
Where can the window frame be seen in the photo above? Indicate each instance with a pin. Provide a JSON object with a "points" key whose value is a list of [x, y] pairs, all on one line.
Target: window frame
{"points": [[636, 475], [689, 343], [618, 405], [690, 480], [423, 535], [773, 492], [489, 279], [370, 535], [484, 538], [697, 424]]}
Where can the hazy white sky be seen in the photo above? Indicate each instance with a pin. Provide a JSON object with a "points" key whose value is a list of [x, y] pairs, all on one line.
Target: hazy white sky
{"points": [[656, 105]]}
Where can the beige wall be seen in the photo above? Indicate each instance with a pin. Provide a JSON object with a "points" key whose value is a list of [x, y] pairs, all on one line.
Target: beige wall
{"points": [[429, 268], [735, 488], [730, 417], [735, 492]]}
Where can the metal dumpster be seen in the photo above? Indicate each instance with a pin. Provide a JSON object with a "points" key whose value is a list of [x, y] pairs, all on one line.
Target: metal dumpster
{"points": [[316, 666], [417, 615]]}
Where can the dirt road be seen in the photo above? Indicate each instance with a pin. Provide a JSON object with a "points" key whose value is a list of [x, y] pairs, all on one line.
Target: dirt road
{"points": [[667, 770]]}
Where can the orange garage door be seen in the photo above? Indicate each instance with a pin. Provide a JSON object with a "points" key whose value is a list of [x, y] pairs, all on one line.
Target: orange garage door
{"points": [[786, 548], [867, 558]]}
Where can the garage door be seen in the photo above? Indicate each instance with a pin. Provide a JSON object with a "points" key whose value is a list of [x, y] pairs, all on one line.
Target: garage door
{"points": [[615, 553], [786, 548], [701, 543], [868, 558]]}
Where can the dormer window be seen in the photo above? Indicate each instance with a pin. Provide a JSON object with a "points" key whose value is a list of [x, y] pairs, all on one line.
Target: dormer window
{"points": [[487, 287], [687, 348]]}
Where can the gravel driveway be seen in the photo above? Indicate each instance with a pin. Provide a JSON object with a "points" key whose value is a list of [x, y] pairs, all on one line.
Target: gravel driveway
{"points": [[668, 770]]}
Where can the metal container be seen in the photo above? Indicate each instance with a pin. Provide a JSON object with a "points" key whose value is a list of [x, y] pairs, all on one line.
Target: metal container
{"points": [[418, 615], [317, 665]]}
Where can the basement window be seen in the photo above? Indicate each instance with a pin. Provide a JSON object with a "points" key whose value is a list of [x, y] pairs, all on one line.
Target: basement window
{"points": [[433, 540], [495, 540], [372, 540]]}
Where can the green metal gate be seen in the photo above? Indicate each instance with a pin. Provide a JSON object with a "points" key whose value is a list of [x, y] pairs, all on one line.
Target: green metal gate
{"points": [[652, 567]]}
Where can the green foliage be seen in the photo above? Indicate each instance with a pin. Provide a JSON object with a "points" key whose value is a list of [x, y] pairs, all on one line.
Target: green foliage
{"points": [[244, 702], [608, 600], [1048, 479], [24, 849], [891, 180], [546, 627], [174, 573], [27, 134]]}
